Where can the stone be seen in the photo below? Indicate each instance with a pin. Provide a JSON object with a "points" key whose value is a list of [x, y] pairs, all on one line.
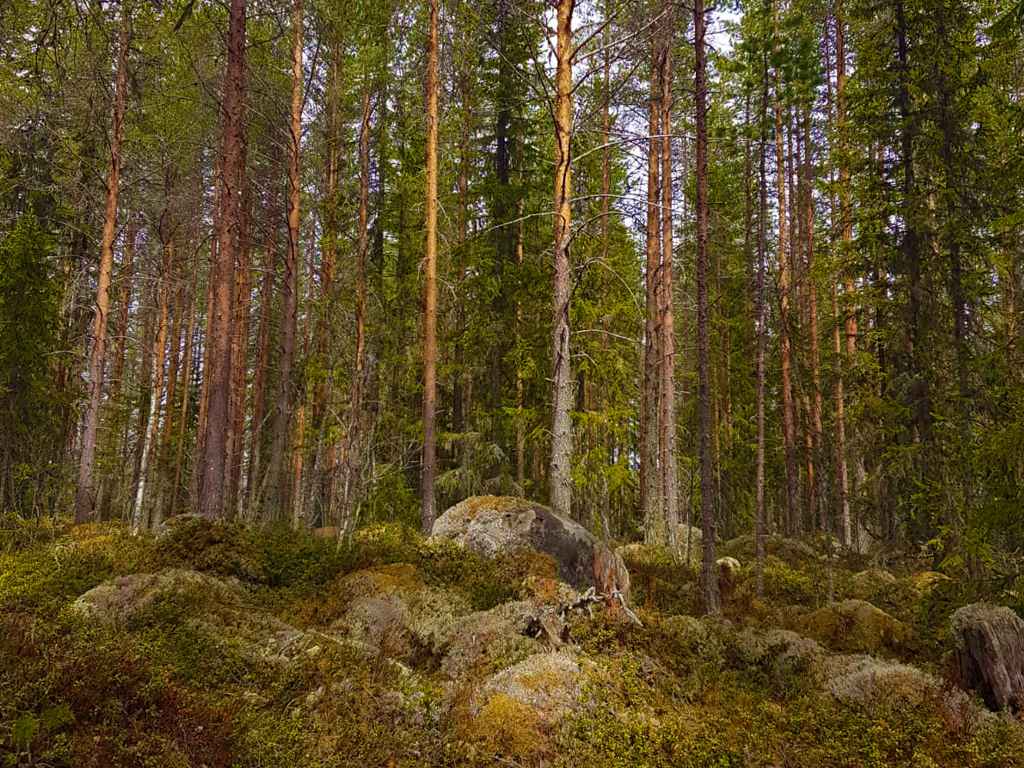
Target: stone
{"points": [[126, 597], [391, 610], [854, 625], [548, 684], [869, 584], [988, 654], [493, 525]]}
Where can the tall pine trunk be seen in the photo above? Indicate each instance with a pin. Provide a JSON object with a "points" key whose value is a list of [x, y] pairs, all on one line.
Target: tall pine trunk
{"points": [[709, 572], [650, 503], [286, 389], [667, 414], [85, 496], [212, 469], [430, 286], [561, 394]]}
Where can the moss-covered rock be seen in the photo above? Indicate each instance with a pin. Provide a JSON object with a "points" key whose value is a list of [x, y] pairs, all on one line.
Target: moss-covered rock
{"points": [[485, 642], [391, 610], [869, 584], [125, 598], [495, 525], [549, 684], [855, 625]]}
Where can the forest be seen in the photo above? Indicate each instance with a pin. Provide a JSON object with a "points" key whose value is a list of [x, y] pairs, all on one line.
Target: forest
{"points": [[512, 382]]}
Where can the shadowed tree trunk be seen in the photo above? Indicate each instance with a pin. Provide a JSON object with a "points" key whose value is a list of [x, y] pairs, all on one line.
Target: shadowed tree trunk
{"points": [[212, 468], [667, 426], [650, 503], [286, 390], [709, 573]]}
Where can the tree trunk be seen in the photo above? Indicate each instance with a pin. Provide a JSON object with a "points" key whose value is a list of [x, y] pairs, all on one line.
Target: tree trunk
{"points": [[667, 427], [709, 572], [286, 390], [259, 384], [140, 518], [212, 467], [650, 504], [85, 496], [240, 361], [760, 513], [561, 395], [785, 282], [430, 286]]}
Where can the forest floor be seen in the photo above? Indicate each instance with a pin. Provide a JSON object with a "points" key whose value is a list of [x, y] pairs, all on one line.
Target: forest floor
{"points": [[215, 645]]}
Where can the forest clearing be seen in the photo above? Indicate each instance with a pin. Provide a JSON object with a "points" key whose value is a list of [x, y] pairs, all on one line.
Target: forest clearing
{"points": [[512, 383]]}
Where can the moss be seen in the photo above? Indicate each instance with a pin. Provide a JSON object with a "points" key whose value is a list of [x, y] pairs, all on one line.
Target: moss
{"points": [[855, 625], [508, 728]]}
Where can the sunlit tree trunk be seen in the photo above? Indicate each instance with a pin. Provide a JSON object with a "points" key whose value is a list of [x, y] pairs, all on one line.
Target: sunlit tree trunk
{"points": [[561, 395], [785, 288], [85, 496], [430, 287]]}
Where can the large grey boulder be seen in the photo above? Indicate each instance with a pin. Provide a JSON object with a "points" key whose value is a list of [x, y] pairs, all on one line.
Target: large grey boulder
{"points": [[988, 654], [493, 525]]}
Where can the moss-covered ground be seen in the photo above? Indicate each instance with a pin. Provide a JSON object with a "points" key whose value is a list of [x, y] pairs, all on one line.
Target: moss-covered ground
{"points": [[194, 679]]}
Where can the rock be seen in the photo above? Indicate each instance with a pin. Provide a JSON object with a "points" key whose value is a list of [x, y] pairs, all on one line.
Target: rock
{"points": [[988, 654], [391, 610], [127, 597], [789, 550], [548, 684], [781, 650], [869, 584], [854, 625], [486, 641], [868, 682], [492, 525]]}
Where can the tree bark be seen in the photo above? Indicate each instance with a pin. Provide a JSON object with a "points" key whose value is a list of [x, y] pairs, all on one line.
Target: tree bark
{"points": [[85, 496], [785, 287], [213, 460], [709, 573], [286, 389], [561, 396], [760, 512], [430, 286], [650, 503], [667, 427]]}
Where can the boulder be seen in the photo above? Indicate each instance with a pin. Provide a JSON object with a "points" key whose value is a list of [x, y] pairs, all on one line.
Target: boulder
{"points": [[548, 684], [866, 585], [873, 684], [854, 625], [988, 654], [486, 641], [391, 610], [492, 525], [127, 597]]}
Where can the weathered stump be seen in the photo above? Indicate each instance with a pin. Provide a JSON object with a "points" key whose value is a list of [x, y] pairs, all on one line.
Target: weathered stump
{"points": [[988, 654]]}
